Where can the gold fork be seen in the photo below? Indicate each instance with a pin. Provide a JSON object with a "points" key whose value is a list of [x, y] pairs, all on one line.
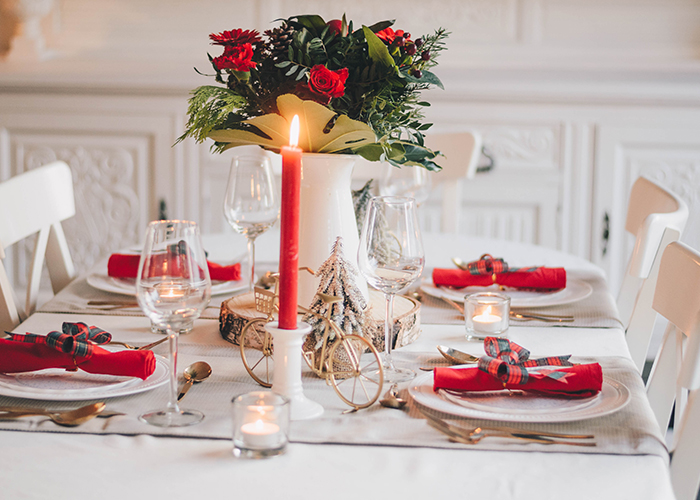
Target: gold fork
{"points": [[142, 348]]}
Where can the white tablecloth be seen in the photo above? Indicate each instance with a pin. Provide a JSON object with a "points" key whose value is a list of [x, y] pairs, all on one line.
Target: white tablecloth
{"points": [[51, 465]]}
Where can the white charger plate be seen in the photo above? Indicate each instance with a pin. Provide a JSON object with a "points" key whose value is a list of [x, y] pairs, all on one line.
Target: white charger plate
{"points": [[127, 286], [520, 406], [56, 384], [575, 290]]}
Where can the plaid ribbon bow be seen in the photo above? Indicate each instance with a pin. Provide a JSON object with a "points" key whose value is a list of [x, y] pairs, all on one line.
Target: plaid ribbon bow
{"points": [[77, 339], [508, 362], [489, 265]]}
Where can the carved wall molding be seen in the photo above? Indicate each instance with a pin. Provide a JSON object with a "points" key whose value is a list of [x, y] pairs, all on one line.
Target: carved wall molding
{"points": [[108, 187], [522, 147]]}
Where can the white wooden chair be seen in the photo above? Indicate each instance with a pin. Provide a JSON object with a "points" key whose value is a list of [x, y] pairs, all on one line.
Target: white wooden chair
{"points": [[461, 151], [35, 203], [675, 376], [656, 217]]}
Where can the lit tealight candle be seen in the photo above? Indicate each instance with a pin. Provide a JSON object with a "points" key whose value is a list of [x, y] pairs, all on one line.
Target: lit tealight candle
{"points": [[171, 291], [261, 434], [487, 322]]}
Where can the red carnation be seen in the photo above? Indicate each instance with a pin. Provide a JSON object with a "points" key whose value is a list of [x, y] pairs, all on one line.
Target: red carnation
{"points": [[388, 35], [238, 58], [235, 37], [335, 26], [328, 82]]}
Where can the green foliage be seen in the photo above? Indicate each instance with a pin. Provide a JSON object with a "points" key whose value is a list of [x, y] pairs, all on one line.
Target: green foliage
{"points": [[382, 90], [208, 107]]}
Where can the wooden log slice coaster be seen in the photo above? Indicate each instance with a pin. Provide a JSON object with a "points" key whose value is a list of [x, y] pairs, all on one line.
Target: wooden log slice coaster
{"points": [[237, 311]]}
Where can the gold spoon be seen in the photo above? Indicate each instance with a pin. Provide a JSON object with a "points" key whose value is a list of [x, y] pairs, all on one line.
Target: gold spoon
{"points": [[194, 373], [460, 263], [392, 400], [70, 418], [455, 356]]}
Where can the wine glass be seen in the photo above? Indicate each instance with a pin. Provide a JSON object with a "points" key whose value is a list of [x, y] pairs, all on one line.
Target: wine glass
{"points": [[391, 257], [412, 182], [250, 204], [173, 288]]}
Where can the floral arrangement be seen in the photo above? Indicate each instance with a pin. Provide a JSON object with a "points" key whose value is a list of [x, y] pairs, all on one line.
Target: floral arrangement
{"points": [[357, 90]]}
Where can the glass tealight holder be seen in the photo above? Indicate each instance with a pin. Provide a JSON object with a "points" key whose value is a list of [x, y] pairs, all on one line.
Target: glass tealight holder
{"points": [[486, 314], [260, 424]]}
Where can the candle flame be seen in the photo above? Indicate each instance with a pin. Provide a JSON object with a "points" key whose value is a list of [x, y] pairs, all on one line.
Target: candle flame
{"points": [[294, 131], [487, 311]]}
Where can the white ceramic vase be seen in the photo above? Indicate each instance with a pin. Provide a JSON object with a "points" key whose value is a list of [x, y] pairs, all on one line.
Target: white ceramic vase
{"points": [[326, 212]]}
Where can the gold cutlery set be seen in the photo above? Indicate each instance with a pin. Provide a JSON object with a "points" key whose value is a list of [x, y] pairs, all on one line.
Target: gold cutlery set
{"points": [[463, 435]]}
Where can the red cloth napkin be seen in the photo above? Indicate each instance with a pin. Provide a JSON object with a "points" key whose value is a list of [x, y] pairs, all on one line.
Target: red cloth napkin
{"points": [[579, 381], [541, 278], [127, 266], [26, 357]]}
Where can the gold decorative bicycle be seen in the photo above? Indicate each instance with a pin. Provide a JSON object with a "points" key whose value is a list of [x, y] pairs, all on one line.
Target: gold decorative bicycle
{"points": [[351, 365]]}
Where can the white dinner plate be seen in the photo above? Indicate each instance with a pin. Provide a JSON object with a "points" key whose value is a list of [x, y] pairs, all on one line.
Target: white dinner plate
{"points": [[127, 286], [575, 290], [56, 384], [517, 406]]}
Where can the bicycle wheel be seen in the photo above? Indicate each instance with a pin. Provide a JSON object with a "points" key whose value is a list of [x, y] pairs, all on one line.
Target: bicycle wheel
{"points": [[256, 351], [355, 371]]}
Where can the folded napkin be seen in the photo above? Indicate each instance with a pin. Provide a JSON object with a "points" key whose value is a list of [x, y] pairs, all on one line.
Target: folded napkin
{"points": [[486, 271], [127, 266], [505, 367], [72, 348]]}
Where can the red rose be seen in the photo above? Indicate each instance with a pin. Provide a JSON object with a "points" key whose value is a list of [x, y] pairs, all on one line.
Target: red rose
{"points": [[388, 35], [303, 92], [235, 37], [238, 58], [335, 26], [327, 82]]}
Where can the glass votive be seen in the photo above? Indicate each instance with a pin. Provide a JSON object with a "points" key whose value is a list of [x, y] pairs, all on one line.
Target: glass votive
{"points": [[260, 424], [486, 314]]}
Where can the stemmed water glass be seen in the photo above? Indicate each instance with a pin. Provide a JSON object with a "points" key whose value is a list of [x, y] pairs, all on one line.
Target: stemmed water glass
{"points": [[250, 204], [391, 257], [412, 182], [173, 288]]}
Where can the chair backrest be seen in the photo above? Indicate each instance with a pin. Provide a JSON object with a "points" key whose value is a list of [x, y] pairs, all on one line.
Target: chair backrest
{"points": [[675, 376], [36, 202], [461, 152], [651, 210]]}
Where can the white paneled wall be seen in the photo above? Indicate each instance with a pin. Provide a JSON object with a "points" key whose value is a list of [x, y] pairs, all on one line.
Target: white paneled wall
{"points": [[573, 98]]}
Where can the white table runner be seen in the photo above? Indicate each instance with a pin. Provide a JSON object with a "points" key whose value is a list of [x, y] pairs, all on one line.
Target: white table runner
{"points": [[630, 431]]}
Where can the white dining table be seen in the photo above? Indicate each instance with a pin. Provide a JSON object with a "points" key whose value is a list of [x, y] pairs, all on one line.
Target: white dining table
{"points": [[58, 465]]}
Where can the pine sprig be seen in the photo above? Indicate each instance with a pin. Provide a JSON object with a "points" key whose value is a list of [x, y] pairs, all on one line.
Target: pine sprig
{"points": [[209, 107]]}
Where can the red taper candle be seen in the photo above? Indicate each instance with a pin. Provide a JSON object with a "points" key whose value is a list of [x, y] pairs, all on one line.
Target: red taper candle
{"points": [[289, 234]]}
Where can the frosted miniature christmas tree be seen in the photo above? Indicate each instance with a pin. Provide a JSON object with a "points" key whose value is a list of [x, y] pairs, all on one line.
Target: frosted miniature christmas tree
{"points": [[338, 280], [360, 200]]}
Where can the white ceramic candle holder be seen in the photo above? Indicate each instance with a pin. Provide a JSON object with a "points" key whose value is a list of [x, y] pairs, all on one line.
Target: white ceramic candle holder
{"points": [[486, 315], [286, 380]]}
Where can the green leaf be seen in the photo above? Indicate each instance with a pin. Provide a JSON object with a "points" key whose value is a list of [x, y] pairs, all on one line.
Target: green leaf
{"points": [[273, 129], [283, 64], [292, 70], [381, 25], [371, 152], [312, 22], [377, 50], [427, 77]]}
